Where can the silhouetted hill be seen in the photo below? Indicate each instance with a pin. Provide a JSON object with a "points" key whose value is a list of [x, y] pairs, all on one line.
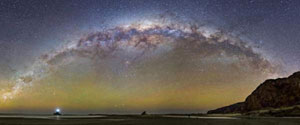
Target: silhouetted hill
{"points": [[273, 93], [234, 108]]}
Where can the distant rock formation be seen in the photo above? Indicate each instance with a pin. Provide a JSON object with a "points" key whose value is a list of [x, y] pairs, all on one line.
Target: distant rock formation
{"points": [[234, 108], [274, 93], [144, 113]]}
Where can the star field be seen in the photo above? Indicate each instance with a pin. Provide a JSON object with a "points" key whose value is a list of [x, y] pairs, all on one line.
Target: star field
{"points": [[133, 55]]}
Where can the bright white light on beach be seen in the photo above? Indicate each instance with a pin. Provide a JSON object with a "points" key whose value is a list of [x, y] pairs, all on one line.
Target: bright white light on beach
{"points": [[57, 110]]}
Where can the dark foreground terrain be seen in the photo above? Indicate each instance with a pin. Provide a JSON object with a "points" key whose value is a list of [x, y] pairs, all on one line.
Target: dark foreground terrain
{"points": [[143, 120]]}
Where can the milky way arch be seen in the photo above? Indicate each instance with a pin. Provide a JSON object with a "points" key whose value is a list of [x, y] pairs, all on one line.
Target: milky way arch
{"points": [[132, 42]]}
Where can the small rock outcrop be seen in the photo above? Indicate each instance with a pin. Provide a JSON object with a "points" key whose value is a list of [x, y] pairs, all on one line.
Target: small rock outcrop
{"points": [[144, 113]]}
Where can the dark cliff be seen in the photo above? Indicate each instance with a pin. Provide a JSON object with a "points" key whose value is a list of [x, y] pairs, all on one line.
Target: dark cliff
{"points": [[274, 93]]}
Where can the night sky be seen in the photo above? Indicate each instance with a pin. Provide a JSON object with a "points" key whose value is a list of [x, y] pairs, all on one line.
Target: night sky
{"points": [[127, 56]]}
